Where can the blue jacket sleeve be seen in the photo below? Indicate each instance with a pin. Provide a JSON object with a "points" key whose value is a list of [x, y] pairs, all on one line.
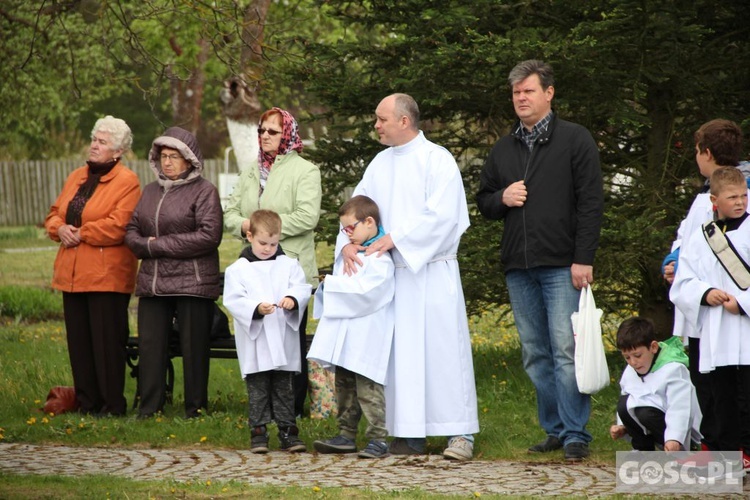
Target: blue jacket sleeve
{"points": [[671, 257]]}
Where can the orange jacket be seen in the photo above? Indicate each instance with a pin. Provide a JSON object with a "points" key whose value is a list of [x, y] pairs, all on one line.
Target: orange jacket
{"points": [[102, 262]]}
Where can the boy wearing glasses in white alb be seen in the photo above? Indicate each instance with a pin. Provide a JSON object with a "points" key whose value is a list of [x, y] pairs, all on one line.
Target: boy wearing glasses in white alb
{"points": [[355, 332]]}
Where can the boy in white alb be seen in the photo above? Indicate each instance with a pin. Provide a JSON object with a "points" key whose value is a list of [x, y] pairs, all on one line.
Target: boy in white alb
{"points": [[658, 406], [717, 308], [718, 143], [355, 333], [266, 293]]}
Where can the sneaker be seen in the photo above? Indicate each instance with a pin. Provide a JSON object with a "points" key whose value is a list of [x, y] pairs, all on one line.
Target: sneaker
{"points": [[549, 444], [338, 444], [375, 449], [577, 451], [259, 440], [399, 446], [289, 440], [459, 448]]}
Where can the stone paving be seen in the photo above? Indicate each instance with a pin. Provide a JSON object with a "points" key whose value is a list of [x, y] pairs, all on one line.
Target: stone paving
{"points": [[428, 472]]}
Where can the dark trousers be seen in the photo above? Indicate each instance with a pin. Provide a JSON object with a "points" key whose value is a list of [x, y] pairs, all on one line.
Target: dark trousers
{"points": [[651, 418], [270, 397], [704, 393], [97, 330], [730, 388], [300, 379], [155, 317]]}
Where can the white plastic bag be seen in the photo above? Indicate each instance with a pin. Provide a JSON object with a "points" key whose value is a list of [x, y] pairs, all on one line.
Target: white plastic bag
{"points": [[592, 373]]}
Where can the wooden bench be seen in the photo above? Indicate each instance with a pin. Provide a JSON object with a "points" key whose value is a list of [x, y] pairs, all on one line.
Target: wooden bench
{"points": [[222, 348], [219, 348]]}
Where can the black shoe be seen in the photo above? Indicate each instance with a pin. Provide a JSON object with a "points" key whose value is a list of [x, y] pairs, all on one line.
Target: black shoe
{"points": [[575, 452], [290, 441], [337, 444], [375, 449], [399, 446], [549, 444], [259, 440]]}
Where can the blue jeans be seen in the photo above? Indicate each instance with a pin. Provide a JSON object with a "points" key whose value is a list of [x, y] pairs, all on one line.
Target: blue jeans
{"points": [[543, 298]]}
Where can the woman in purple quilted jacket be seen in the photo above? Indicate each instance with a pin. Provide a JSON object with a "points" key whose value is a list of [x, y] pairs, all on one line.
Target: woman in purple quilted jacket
{"points": [[176, 230]]}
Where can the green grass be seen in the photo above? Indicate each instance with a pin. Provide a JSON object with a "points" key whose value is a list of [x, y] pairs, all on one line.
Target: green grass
{"points": [[33, 358], [110, 487], [30, 303]]}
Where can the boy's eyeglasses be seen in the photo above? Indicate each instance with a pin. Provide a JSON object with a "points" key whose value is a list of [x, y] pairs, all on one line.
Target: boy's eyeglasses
{"points": [[271, 132], [350, 228]]}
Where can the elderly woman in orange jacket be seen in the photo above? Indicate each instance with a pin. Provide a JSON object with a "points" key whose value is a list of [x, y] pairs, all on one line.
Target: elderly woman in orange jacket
{"points": [[94, 268]]}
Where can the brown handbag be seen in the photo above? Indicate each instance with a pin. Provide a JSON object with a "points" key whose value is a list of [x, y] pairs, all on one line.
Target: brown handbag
{"points": [[61, 399]]}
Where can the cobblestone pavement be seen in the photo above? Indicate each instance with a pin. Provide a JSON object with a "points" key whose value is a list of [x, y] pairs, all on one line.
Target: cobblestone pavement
{"points": [[428, 472]]}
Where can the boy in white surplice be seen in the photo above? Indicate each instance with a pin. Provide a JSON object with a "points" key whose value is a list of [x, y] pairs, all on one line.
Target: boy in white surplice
{"points": [[717, 308], [266, 293], [355, 333]]}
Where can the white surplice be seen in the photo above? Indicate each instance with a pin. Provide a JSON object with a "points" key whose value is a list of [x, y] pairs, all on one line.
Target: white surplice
{"points": [[355, 330], [271, 342], [725, 337], [701, 211], [670, 390], [430, 389]]}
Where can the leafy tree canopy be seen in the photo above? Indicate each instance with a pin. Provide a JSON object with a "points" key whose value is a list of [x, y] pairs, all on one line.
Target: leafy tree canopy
{"points": [[640, 75]]}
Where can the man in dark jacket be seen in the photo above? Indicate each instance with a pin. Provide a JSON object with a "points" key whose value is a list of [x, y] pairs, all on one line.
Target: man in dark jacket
{"points": [[544, 181]]}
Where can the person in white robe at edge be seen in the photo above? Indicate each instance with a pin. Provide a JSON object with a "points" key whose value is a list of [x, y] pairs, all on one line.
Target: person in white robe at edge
{"points": [[430, 388]]}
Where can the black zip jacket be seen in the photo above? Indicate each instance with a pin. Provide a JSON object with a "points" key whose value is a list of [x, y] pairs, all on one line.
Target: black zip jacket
{"points": [[560, 222]]}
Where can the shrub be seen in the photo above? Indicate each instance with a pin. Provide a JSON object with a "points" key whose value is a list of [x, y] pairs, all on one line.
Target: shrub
{"points": [[30, 304]]}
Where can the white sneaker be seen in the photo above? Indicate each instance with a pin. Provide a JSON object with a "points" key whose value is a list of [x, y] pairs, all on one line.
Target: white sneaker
{"points": [[459, 448]]}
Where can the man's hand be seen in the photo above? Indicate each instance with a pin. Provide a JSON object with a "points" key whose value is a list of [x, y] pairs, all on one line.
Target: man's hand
{"points": [[349, 254], [581, 275], [245, 227], [69, 235], [381, 246], [515, 194], [669, 273]]}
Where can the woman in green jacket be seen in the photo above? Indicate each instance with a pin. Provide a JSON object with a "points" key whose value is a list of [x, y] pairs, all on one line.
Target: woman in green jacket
{"points": [[282, 181]]}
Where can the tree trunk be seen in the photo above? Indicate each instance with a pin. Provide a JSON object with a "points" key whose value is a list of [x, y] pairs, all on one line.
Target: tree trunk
{"points": [[655, 302], [240, 94], [187, 94]]}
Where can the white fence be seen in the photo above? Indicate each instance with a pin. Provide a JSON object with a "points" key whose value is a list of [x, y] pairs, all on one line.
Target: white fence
{"points": [[28, 188]]}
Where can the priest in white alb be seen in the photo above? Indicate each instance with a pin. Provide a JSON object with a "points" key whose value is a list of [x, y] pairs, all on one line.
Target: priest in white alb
{"points": [[430, 389]]}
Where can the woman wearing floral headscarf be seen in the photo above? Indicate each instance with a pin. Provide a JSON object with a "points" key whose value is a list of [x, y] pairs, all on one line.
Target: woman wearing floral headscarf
{"points": [[289, 185]]}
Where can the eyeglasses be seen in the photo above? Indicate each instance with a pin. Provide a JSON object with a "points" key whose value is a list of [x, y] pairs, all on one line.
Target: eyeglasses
{"points": [[271, 132], [350, 228], [171, 157]]}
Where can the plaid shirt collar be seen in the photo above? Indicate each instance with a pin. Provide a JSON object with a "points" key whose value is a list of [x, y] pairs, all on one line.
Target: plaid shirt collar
{"points": [[529, 137]]}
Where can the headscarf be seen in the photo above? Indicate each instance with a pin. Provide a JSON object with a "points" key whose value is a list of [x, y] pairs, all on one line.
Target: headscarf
{"points": [[290, 141]]}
